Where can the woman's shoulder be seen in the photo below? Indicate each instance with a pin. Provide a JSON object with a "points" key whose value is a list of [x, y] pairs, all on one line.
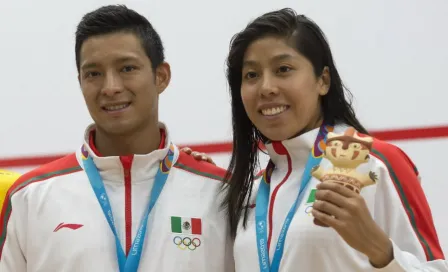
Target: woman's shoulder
{"points": [[392, 156], [385, 153]]}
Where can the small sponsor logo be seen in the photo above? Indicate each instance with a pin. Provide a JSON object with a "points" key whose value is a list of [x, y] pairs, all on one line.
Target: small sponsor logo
{"points": [[67, 226]]}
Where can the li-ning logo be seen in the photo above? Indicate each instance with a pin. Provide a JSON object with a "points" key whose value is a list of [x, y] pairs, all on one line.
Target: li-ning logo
{"points": [[165, 164], [187, 242], [68, 226]]}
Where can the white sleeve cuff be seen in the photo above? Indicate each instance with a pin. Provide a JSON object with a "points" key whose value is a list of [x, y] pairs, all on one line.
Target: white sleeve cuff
{"points": [[398, 264]]}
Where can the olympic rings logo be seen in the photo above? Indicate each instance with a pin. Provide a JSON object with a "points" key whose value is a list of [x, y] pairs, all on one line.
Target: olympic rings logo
{"points": [[308, 210], [187, 242]]}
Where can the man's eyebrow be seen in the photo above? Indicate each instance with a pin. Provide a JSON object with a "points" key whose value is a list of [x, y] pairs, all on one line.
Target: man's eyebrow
{"points": [[88, 65]]}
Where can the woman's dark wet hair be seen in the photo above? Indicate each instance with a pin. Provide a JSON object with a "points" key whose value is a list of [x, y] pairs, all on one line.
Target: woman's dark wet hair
{"points": [[308, 39]]}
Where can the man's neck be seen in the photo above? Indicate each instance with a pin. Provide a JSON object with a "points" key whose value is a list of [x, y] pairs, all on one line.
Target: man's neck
{"points": [[143, 141]]}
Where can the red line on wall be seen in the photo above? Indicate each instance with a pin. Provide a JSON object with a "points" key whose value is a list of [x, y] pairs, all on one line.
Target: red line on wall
{"points": [[225, 147]]}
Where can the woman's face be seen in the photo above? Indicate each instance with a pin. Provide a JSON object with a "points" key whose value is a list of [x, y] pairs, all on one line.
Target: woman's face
{"points": [[279, 89]]}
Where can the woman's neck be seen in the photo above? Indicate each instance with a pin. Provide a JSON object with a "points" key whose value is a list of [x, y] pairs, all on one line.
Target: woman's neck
{"points": [[143, 141], [315, 123]]}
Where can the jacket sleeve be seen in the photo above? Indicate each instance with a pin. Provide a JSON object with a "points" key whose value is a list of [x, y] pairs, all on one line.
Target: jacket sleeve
{"points": [[12, 226], [402, 211]]}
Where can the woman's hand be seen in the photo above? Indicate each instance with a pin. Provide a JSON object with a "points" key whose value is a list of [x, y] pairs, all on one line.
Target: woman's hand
{"points": [[346, 212]]}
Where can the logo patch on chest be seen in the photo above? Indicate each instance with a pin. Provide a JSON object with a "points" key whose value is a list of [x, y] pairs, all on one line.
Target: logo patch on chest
{"points": [[186, 230], [186, 225], [309, 202], [312, 196]]}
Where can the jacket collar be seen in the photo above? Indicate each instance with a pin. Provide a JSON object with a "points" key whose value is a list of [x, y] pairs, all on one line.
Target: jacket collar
{"points": [[293, 153], [132, 168]]}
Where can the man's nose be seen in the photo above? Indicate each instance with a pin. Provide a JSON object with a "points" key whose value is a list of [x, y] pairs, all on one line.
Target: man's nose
{"points": [[113, 84]]}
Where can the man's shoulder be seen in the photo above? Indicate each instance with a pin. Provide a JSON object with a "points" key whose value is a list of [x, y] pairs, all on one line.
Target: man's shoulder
{"points": [[200, 168], [60, 167]]}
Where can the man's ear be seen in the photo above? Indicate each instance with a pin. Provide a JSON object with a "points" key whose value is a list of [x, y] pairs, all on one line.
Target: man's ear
{"points": [[162, 76]]}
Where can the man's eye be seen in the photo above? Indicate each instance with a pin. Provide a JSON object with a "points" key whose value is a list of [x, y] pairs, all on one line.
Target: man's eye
{"points": [[284, 69], [128, 68], [92, 74]]}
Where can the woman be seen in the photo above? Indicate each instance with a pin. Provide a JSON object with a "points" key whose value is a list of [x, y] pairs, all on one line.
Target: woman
{"points": [[287, 93]]}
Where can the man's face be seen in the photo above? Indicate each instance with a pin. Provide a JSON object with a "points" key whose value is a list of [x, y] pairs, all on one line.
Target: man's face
{"points": [[118, 83]]}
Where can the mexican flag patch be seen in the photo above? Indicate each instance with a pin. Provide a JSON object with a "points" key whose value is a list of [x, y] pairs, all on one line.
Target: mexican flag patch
{"points": [[312, 196], [186, 225]]}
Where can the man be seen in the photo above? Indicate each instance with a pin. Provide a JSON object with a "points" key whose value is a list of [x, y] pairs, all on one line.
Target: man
{"points": [[127, 199], [7, 178]]}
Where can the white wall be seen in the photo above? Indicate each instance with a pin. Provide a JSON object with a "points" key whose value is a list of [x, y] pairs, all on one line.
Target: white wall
{"points": [[392, 55]]}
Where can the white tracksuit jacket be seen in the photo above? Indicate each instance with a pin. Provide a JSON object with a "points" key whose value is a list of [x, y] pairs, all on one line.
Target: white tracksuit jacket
{"points": [[396, 202], [52, 220]]}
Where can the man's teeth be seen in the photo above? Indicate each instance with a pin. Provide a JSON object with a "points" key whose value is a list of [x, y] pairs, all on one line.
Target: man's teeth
{"points": [[273, 111], [116, 107]]}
